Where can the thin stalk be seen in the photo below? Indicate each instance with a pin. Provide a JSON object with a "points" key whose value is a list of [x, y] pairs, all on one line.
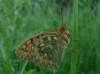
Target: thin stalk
{"points": [[23, 67], [75, 43]]}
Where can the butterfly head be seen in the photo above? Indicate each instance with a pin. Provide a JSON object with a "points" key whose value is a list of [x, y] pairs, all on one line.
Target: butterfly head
{"points": [[64, 28], [65, 32]]}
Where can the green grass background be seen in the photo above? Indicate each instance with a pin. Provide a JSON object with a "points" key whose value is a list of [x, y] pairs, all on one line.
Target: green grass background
{"points": [[21, 19]]}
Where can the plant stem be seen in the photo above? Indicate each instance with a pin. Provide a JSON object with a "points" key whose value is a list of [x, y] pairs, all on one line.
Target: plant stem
{"points": [[75, 43], [23, 67]]}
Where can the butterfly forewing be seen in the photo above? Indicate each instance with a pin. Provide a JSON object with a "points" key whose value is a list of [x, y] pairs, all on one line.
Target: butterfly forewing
{"points": [[24, 49], [45, 50]]}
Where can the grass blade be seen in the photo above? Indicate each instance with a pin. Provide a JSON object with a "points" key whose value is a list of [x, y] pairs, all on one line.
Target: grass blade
{"points": [[75, 43]]}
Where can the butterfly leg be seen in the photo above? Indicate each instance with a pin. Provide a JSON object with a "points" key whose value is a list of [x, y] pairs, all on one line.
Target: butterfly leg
{"points": [[72, 50], [73, 38]]}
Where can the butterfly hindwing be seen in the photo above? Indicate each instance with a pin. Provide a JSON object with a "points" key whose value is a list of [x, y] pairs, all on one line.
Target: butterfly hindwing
{"points": [[45, 50]]}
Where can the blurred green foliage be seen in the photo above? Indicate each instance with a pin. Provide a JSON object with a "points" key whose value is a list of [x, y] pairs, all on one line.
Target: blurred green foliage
{"points": [[21, 19]]}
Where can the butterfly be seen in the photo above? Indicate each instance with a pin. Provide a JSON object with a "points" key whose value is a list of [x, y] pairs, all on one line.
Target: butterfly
{"points": [[46, 49]]}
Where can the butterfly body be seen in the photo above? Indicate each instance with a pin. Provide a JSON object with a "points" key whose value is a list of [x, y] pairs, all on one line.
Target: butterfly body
{"points": [[46, 49]]}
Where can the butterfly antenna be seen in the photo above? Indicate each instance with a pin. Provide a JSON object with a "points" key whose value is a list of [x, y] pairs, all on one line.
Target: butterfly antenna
{"points": [[62, 14]]}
